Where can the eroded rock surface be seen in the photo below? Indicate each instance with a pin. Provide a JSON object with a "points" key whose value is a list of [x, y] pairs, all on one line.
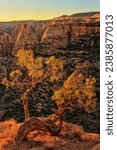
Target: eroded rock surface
{"points": [[49, 35]]}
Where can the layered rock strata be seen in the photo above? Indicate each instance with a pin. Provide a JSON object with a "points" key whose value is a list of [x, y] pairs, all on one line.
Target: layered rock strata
{"points": [[43, 36]]}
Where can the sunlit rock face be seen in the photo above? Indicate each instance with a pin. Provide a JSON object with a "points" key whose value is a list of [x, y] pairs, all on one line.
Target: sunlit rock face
{"points": [[60, 35], [24, 37], [56, 33], [54, 37], [6, 43]]}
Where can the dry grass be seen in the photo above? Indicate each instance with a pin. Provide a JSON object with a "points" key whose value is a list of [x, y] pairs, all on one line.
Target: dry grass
{"points": [[8, 131], [72, 137]]}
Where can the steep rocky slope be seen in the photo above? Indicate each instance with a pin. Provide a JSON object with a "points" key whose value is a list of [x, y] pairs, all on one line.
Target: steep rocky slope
{"points": [[46, 35]]}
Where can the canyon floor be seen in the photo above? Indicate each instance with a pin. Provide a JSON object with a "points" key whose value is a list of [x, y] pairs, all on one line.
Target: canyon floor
{"points": [[71, 137]]}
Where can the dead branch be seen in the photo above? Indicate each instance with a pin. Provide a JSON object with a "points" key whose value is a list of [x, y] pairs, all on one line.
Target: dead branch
{"points": [[36, 124]]}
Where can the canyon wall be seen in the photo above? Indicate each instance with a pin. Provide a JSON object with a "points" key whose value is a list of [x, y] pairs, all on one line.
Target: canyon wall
{"points": [[42, 36], [46, 36]]}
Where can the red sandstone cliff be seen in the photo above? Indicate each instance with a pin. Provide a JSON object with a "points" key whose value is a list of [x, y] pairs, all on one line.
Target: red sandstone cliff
{"points": [[57, 33]]}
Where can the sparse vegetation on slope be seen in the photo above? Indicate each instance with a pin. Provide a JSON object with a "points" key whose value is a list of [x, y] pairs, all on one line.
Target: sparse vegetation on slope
{"points": [[38, 70], [40, 76]]}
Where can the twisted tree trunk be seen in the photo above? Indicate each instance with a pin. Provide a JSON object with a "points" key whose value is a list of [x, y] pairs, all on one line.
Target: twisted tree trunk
{"points": [[25, 97], [36, 124], [28, 126]]}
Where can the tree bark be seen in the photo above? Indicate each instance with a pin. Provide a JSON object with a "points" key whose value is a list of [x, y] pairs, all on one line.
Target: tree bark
{"points": [[25, 98], [25, 105], [36, 124]]}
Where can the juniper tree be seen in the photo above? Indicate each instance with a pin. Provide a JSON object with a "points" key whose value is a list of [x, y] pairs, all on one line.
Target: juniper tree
{"points": [[77, 91], [38, 70]]}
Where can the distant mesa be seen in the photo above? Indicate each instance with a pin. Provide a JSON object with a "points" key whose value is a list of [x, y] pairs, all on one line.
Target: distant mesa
{"points": [[86, 14], [79, 15]]}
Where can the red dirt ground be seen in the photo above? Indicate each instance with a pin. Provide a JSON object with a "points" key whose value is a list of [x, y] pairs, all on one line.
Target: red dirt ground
{"points": [[72, 137]]}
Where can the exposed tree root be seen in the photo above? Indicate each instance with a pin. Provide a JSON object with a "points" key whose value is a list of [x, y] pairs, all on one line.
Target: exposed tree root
{"points": [[36, 124]]}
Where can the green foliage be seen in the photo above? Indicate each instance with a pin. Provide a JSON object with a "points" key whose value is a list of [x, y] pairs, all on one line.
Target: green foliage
{"points": [[13, 80], [55, 68], [77, 91], [15, 74], [39, 68], [25, 58], [6, 82]]}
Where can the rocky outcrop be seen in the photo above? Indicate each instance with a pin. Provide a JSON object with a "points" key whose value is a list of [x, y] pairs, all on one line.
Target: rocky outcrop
{"points": [[53, 37], [57, 36], [47, 36], [6, 44], [24, 37]]}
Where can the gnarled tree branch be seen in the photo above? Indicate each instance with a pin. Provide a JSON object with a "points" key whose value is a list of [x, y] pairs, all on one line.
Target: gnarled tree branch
{"points": [[36, 124]]}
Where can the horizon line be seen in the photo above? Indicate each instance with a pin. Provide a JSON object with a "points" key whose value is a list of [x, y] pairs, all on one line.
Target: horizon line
{"points": [[47, 19]]}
